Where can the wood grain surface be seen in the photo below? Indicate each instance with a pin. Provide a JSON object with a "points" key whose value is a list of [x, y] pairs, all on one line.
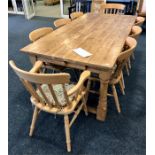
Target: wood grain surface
{"points": [[100, 34]]}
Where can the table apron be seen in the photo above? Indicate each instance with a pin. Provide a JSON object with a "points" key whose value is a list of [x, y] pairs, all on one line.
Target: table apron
{"points": [[72, 65]]}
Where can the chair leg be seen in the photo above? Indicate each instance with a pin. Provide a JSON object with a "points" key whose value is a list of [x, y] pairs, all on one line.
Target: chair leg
{"points": [[67, 132], [85, 107], [133, 56], [121, 87], [85, 98], [122, 79], [34, 118], [127, 69], [116, 98], [129, 63]]}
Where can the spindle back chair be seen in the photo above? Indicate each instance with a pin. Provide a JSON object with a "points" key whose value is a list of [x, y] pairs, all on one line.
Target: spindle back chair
{"points": [[139, 21], [38, 33], [112, 8], [52, 93], [76, 15], [61, 22], [116, 77]]}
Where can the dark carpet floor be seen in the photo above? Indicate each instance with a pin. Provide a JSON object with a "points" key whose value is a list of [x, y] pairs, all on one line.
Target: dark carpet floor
{"points": [[120, 134]]}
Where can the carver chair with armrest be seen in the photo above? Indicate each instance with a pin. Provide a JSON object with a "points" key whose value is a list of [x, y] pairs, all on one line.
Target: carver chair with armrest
{"points": [[116, 77], [61, 22], [112, 8], [52, 93]]}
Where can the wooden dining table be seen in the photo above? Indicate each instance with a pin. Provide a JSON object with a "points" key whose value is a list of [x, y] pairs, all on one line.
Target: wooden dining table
{"points": [[103, 35]]}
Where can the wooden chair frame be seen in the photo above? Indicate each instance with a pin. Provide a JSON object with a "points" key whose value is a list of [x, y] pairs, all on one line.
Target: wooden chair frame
{"points": [[76, 15], [139, 8], [38, 33], [79, 92], [139, 21], [117, 76], [34, 36], [61, 22], [112, 8], [96, 5], [135, 33]]}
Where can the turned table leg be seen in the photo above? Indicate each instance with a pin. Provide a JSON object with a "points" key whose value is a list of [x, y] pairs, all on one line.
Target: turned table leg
{"points": [[102, 105]]}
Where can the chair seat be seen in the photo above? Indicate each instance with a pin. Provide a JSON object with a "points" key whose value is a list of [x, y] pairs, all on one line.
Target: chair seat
{"points": [[58, 92], [57, 110]]}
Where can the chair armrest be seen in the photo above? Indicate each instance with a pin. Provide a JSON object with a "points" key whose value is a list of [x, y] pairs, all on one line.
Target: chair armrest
{"points": [[83, 77], [37, 65]]}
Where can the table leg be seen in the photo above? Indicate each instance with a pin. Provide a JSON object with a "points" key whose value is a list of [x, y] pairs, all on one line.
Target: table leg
{"points": [[102, 105]]}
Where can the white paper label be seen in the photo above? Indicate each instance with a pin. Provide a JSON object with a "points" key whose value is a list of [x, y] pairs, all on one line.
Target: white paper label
{"points": [[82, 52]]}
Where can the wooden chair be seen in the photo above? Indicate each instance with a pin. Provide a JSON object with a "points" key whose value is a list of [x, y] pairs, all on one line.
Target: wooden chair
{"points": [[135, 33], [112, 8], [38, 33], [76, 15], [34, 36], [96, 5], [52, 93], [141, 8], [139, 21], [116, 77], [61, 22]]}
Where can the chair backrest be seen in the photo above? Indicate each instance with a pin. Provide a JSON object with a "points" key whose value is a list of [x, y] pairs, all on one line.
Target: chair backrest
{"points": [[130, 45], [61, 22], [76, 15], [139, 21], [96, 5], [112, 8], [38, 33], [35, 82], [135, 32]]}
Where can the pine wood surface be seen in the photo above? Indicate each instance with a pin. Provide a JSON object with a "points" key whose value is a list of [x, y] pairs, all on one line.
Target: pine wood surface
{"points": [[102, 35]]}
